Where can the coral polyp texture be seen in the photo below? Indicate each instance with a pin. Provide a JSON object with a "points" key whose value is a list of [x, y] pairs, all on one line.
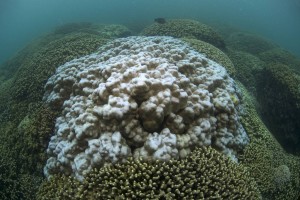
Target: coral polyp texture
{"points": [[203, 174], [153, 98]]}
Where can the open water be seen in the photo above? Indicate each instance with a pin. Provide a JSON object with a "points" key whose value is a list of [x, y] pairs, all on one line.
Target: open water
{"points": [[228, 117], [21, 21]]}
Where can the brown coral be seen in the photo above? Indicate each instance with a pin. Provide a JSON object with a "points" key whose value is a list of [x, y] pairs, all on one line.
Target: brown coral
{"points": [[205, 174], [263, 156], [180, 28]]}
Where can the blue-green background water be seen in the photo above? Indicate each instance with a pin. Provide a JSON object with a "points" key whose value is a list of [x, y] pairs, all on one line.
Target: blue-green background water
{"points": [[23, 20], [267, 78]]}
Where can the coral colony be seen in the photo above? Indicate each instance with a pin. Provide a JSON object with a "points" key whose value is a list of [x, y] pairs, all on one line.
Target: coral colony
{"points": [[143, 97]]}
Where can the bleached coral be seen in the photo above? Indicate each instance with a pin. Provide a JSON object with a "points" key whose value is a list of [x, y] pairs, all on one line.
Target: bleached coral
{"points": [[149, 97]]}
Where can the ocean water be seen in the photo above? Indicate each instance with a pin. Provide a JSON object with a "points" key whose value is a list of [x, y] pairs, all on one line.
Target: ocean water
{"points": [[21, 21], [237, 136]]}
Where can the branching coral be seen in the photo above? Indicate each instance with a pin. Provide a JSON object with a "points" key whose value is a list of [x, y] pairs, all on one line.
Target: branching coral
{"points": [[204, 174]]}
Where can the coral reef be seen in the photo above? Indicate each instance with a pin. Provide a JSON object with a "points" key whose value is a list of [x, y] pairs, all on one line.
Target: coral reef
{"points": [[8, 173], [160, 20], [34, 131], [248, 68], [9, 67], [204, 174], [193, 103], [28, 81], [108, 31], [212, 53], [264, 156], [278, 55], [279, 97], [282, 176], [112, 31], [59, 187], [73, 27], [149, 97], [15, 182], [251, 43], [25, 123], [180, 28]]}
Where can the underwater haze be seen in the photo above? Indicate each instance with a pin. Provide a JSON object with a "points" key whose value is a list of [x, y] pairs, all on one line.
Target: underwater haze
{"points": [[23, 20], [149, 99]]}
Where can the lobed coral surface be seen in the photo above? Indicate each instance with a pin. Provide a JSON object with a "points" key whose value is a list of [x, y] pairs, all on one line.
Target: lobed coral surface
{"points": [[148, 97]]}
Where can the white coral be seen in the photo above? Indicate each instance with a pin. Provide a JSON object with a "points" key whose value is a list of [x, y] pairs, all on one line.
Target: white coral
{"points": [[149, 97]]}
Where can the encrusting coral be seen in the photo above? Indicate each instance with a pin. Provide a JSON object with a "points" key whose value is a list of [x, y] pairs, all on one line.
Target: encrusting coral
{"points": [[204, 174], [149, 97]]}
